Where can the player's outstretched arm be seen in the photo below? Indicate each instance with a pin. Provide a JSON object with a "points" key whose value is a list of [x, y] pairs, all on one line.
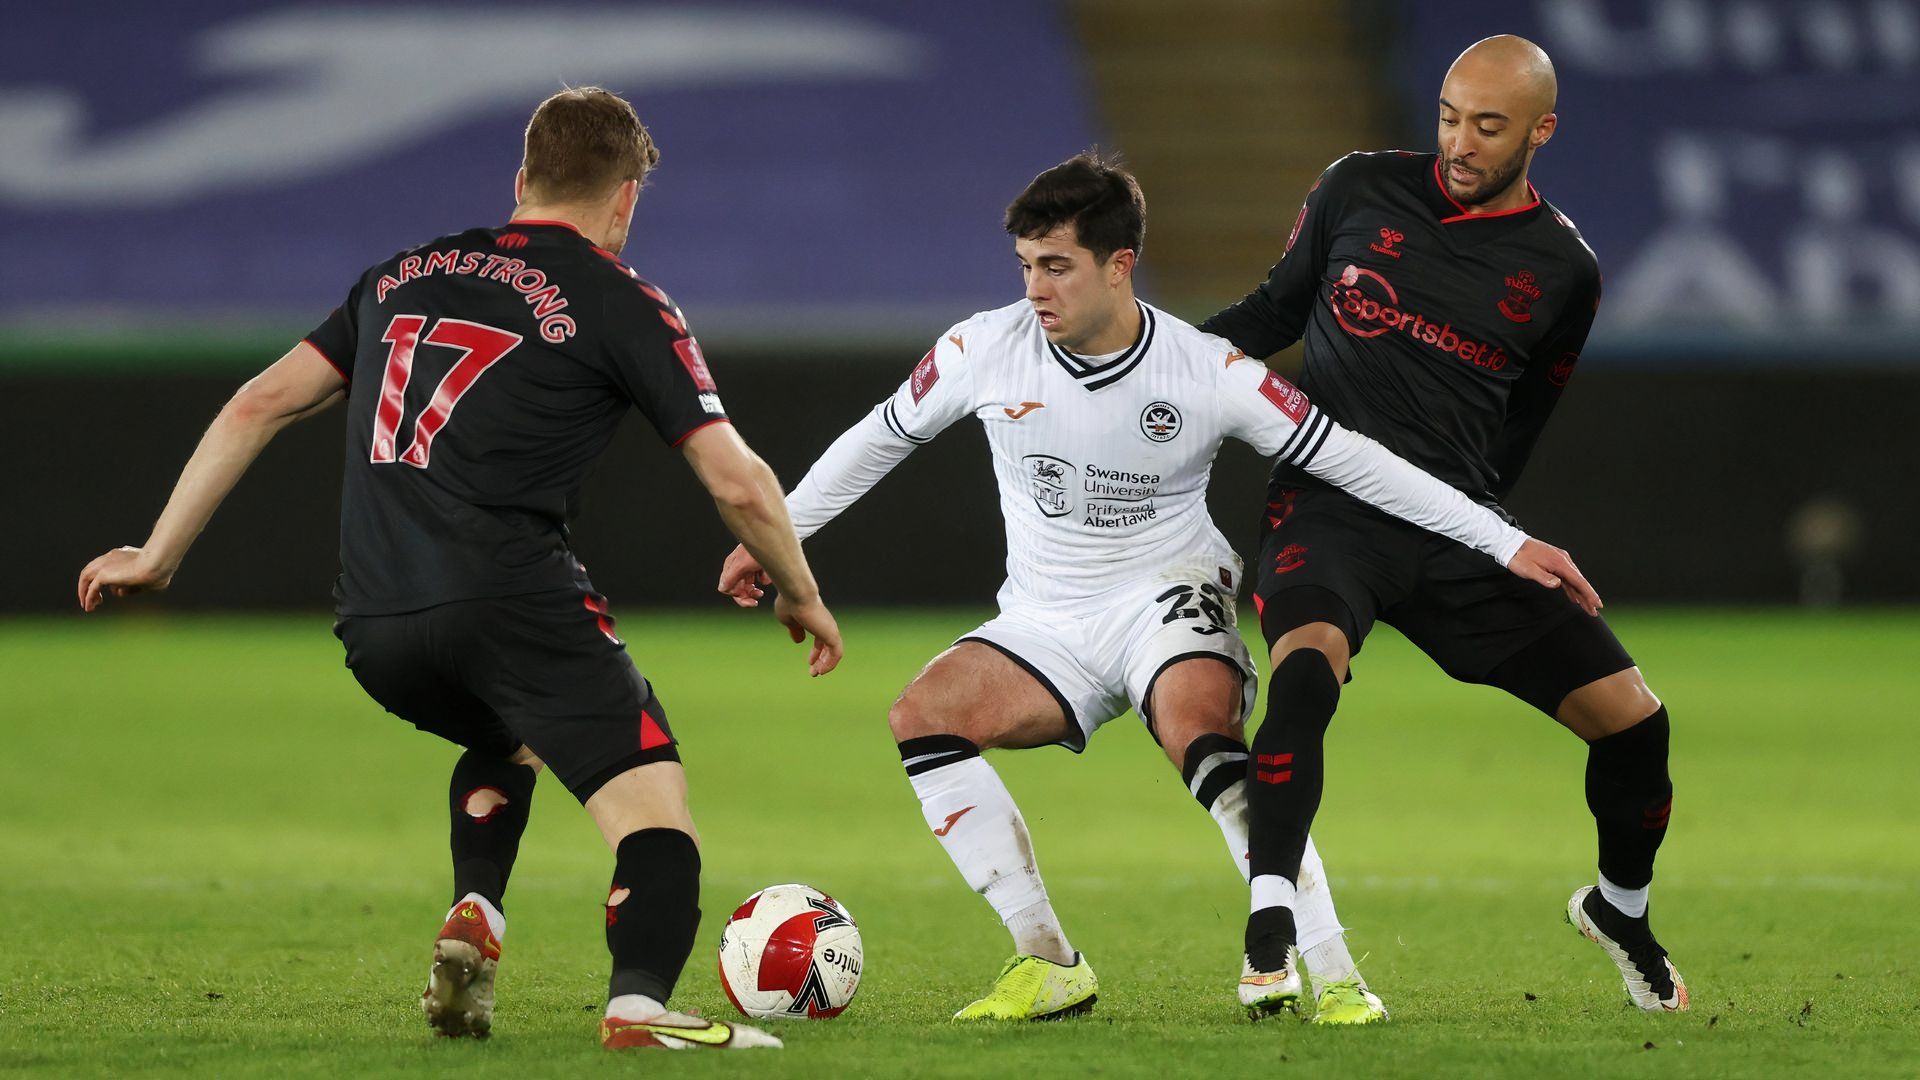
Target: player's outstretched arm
{"points": [[1371, 472], [750, 502], [925, 405], [296, 386], [860, 458]]}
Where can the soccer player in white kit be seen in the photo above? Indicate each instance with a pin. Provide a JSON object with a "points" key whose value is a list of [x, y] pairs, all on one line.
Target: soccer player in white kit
{"points": [[1104, 415]]}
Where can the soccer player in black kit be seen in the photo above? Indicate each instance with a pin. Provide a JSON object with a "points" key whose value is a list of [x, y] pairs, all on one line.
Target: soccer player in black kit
{"points": [[1444, 305], [483, 373]]}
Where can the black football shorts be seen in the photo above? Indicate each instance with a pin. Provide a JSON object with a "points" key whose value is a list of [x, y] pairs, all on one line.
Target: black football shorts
{"points": [[1328, 557], [542, 669]]}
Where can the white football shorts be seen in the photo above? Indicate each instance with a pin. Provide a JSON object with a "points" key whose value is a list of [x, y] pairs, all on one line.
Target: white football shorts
{"points": [[1099, 661]]}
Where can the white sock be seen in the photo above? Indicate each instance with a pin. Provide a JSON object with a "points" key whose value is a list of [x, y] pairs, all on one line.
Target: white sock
{"points": [[496, 921], [1313, 915], [975, 819], [1626, 901], [1321, 937], [1272, 890], [634, 1007], [1229, 810], [1330, 961]]}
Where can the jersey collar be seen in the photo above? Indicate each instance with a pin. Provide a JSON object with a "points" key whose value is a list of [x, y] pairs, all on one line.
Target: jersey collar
{"points": [[1451, 212], [1093, 374], [569, 226]]}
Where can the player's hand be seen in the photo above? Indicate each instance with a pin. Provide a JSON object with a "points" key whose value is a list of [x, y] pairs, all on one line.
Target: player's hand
{"points": [[742, 576], [811, 618], [1553, 568], [122, 572]]}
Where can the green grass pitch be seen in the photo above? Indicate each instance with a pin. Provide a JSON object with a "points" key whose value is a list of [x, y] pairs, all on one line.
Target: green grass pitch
{"points": [[217, 858]]}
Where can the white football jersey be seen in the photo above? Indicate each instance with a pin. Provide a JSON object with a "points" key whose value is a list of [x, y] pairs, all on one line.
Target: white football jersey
{"points": [[1103, 462]]}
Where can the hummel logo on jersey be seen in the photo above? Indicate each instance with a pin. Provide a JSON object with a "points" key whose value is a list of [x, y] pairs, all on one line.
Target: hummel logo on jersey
{"points": [[1025, 408], [952, 819], [1388, 238], [511, 240]]}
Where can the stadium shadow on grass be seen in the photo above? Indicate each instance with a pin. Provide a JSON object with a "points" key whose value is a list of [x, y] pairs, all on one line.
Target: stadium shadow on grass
{"points": [[220, 859]]}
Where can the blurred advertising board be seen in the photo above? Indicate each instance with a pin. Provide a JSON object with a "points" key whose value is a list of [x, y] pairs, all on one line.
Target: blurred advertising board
{"points": [[1747, 170], [827, 166]]}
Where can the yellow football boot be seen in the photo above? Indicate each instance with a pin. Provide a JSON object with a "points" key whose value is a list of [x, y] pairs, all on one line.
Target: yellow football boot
{"points": [[1029, 988], [1346, 1002]]}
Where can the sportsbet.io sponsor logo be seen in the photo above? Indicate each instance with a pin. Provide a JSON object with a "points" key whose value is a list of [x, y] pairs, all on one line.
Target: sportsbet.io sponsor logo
{"points": [[1366, 316]]}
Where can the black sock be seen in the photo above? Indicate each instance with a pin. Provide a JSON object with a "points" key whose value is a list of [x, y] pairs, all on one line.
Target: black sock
{"points": [[489, 800], [1214, 763], [1630, 794], [1284, 780], [653, 911], [1287, 769]]}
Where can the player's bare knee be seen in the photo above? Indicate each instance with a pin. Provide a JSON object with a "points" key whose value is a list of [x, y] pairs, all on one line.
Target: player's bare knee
{"points": [[1325, 638], [909, 718], [1176, 730], [1608, 706], [1195, 698], [525, 756]]}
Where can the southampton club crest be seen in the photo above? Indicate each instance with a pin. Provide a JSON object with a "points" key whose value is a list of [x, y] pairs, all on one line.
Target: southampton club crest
{"points": [[1047, 482], [1160, 421], [1522, 290]]}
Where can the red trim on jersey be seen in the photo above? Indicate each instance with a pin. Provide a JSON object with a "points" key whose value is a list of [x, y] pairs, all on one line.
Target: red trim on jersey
{"points": [[600, 616], [650, 734], [331, 362], [543, 221], [1465, 213], [702, 427]]}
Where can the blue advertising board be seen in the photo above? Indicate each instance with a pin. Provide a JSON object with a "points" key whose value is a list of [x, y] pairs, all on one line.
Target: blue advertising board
{"points": [[827, 165], [1748, 171]]}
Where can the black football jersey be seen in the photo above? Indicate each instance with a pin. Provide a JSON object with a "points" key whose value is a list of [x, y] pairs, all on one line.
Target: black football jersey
{"points": [[1445, 335], [486, 371]]}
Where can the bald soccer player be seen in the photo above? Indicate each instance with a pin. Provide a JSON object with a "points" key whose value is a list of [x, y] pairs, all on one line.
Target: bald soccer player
{"points": [[1444, 305]]}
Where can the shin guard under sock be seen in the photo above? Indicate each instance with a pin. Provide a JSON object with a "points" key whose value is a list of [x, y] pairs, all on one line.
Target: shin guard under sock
{"points": [[1285, 777], [976, 821], [1215, 772], [489, 800], [1631, 795], [1287, 770], [653, 911]]}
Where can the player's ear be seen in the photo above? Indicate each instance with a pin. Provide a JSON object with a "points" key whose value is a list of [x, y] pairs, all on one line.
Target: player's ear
{"points": [[626, 197], [1543, 130], [1121, 265], [520, 186]]}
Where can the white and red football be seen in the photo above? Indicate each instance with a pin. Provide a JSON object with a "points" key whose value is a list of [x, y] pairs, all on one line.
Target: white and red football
{"points": [[790, 952]]}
